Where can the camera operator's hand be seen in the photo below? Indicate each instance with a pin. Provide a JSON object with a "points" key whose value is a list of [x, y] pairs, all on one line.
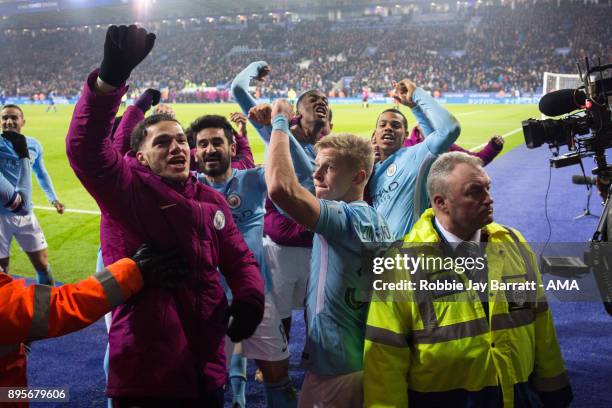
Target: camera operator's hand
{"points": [[403, 92], [124, 48], [161, 269], [19, 143], [261, 114]]}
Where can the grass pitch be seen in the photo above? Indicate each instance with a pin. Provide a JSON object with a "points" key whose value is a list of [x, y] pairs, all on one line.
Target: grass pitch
{"points": [[74, 237]]}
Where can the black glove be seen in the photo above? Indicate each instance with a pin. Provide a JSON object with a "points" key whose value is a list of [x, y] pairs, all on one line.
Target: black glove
{"points": [[124, 48], [149, 98], [161, 269], [19, 143], [246, 318]]}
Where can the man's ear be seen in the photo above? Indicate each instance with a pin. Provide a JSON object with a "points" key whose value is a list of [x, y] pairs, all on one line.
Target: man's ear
{"points": [[360, 177], [142, 159], [439, 203], [233, 150]]}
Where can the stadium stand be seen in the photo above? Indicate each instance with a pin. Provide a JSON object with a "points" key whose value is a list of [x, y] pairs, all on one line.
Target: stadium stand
{"points": [[485, 49]]}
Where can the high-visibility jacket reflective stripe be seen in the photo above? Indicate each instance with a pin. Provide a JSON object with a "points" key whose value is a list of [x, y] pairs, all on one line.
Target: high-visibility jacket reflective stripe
{"points": [[38, 311], [431, 346]]}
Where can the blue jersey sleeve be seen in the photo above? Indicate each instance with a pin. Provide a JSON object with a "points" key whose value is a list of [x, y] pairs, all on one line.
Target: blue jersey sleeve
{"points": [[16, 199], [42, 176], [430, 115], [334, 220], [240, 92], [302, 163], [422, 120]]}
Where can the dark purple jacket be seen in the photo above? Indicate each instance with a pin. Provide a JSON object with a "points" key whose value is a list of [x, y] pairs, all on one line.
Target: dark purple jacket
{"points": [[283, 230], [162, 342]]}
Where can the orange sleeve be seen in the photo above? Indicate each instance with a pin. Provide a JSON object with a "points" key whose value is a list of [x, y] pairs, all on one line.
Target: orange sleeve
{"points": [[36, 311]]}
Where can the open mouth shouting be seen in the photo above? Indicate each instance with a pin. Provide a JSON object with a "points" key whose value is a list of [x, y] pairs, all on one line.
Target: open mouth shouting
{"points": [[388, 138], [178, 163], [321, 110]]}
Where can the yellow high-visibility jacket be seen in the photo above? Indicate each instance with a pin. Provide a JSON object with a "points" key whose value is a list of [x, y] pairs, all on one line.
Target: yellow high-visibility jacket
{"points": [[441, 350]]}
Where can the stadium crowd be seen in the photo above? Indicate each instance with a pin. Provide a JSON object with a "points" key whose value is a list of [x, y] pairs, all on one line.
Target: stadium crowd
{"points": [[487, 49]]}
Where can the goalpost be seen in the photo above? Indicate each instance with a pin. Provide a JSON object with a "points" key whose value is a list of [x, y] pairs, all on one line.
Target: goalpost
{"points": [[554, 81]]}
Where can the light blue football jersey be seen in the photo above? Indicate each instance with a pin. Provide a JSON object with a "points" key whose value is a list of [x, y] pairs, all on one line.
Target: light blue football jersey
{"points": [[399, 184], [338, 285]]}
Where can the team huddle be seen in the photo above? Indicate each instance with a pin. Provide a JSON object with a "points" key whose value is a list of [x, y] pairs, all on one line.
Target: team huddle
{"points": [[192, 231]]}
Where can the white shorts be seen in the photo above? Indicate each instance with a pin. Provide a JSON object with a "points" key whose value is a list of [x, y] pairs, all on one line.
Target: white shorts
{"points": [[269, 342], [289, 268], [25, 229], [342, 391]]}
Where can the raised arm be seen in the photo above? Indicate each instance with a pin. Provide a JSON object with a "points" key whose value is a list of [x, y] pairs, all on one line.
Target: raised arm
{"points": [[440, 127], [96, 163], [240, 92], [244, 154], [131, 117], [284, 188]]}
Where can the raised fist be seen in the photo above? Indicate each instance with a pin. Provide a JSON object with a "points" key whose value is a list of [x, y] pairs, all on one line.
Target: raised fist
{"points": [[282, 107], [149, 98], [498, 142], [124, 48], [403, 92], [261, 114]]}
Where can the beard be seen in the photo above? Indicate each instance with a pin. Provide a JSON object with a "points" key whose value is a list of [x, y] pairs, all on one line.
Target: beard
{"points": [[219, 168]]}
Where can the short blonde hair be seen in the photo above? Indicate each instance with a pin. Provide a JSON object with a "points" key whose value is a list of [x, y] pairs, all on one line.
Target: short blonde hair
{"points": [[443, 166], [356, 151]]}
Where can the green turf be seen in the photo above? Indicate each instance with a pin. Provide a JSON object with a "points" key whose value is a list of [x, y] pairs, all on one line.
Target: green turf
{"points": [[74, 238]]}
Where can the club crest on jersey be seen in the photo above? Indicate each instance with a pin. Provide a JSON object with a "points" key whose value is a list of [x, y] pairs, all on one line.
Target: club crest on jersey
{"points": [[391, 169], [219, 220], [234, 201]]}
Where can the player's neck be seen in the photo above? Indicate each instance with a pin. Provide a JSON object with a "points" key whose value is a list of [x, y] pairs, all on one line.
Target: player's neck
{"points": [[221, 178], [353, 195]]}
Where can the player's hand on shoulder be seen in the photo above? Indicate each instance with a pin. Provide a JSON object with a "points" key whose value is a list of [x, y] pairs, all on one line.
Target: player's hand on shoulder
{"points": [[261, 114], [403, 91], [282, 107]]}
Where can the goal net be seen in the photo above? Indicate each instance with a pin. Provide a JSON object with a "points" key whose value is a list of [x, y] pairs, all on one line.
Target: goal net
{"points": [[554, 82]]}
